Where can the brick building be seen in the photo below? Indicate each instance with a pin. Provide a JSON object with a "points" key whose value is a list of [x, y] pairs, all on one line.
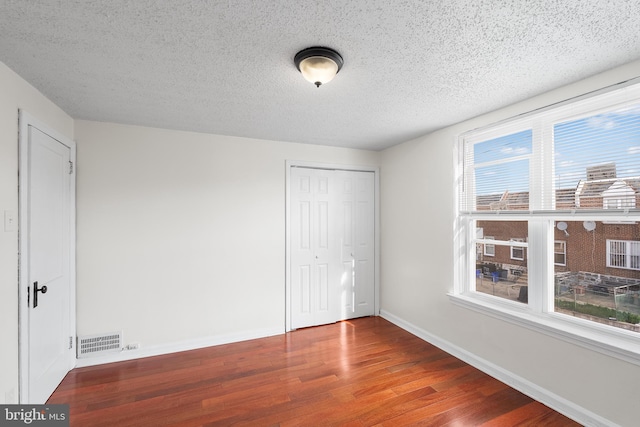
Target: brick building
{"points": [[609, 250]]}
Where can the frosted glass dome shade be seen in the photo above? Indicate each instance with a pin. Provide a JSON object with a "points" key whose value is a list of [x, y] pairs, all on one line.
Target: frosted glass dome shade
{"points": [[318, 69], [318, 65]]}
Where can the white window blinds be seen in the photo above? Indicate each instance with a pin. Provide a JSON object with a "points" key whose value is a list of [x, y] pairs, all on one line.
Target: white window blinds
{"points": [[497, 172], [597, 160], [585, 156]]}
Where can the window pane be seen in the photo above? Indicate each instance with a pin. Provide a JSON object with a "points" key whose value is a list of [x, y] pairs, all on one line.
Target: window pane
{"points": [[500, 171], [634, 255], [517, 252], [504, 147], [501, 275], [617, 253], [597, 160], [559, 253], [601, 279], [489, 249], [503, 187]]}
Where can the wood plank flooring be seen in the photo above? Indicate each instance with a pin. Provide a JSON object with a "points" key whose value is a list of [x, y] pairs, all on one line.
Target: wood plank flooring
{"points": [[364, 372]]}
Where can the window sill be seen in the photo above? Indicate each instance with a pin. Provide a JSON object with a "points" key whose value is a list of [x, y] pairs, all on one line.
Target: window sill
{"points": [[621, 344]]}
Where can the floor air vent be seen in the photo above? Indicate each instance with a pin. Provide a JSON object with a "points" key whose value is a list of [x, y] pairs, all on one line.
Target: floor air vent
{"points": [[95, 345]]}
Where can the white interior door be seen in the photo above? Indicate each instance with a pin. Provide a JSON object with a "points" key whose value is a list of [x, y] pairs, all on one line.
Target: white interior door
{"points": [[332, 249], [313, 289], [355, 225], [47, 264]]}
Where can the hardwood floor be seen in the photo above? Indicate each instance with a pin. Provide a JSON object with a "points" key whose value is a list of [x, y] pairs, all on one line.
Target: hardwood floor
{"points": [[364, 372]]}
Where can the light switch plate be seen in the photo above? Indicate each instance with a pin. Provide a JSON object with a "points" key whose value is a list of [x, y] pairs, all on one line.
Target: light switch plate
{"points": [[10, 221]]}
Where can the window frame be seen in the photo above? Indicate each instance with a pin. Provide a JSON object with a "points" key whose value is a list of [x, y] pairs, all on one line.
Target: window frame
{"points": [[628, 254], [539, 314], [487, 245], [515, 248], [564, 252]]}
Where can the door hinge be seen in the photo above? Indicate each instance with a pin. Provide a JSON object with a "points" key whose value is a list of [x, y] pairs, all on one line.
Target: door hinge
{"points": [[70, 167], [70, 343]]}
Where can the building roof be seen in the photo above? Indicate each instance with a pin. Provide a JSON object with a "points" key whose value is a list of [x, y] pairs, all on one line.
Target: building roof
{"points": [[566, 198]]}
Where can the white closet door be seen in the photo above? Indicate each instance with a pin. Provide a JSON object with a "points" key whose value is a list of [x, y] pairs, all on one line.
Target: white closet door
{"points": [[314, 298], [332, 236], [356, 228]]}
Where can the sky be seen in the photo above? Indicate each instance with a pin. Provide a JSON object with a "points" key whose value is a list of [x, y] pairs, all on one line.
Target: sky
{"points": [[507, 175], [606, 138], [612, 137]]}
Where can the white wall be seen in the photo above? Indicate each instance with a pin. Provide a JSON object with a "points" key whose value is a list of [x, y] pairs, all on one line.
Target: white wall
{"points": [[181, 236], [15, 93], [417, 272]]}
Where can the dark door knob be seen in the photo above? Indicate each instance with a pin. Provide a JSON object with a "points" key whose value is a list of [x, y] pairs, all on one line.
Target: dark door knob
{"points": [[36, 289]]}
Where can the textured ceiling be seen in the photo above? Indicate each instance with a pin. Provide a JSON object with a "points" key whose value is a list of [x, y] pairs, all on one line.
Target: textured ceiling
{"points": [[226, 67]]}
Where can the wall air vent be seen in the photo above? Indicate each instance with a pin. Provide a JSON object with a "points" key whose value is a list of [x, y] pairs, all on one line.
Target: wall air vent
{"points": [[96, 345]]}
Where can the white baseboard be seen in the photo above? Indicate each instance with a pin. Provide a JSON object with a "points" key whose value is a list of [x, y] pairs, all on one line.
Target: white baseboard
{"points": [[175, 347], [557, 403]]}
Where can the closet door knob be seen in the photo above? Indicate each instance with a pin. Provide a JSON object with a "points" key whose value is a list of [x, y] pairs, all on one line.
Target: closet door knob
{"points": [[36, 289]]}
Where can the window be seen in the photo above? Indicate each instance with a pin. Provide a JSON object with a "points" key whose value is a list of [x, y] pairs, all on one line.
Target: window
{"points": [[566, 181], [559, 253], [517, 252], [489, 249], [500, 274], [623, 254]]}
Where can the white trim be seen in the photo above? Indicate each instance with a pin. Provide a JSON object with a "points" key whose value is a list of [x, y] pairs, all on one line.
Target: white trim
{"points": [[511, 243], [24, 121], [376, 196], [178, 346], [329, 166], [612, 342], [287, 247], [621, 217], [548, 398]]}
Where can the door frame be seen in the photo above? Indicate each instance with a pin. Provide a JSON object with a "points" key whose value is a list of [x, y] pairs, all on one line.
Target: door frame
{"points": [[25, 120], [329, 166]]}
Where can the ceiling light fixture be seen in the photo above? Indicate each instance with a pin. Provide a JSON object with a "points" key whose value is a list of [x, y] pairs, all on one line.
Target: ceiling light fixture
{"points": [[318, 65]]}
